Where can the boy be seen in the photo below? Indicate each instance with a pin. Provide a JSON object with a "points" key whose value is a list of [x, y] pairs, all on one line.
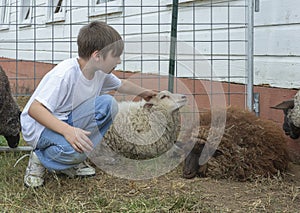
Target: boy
{"points": [[66, 116]]}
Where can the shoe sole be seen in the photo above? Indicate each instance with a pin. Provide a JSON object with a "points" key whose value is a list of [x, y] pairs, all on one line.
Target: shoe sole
{"points": [[84, 176], [75, 176], [33, 187]]}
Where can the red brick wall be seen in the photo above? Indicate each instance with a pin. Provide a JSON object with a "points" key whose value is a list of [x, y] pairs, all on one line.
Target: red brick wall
{"points": [[25, 75]]}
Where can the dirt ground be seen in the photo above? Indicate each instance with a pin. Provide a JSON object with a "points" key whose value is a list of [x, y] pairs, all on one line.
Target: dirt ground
{"points": [[172, 193], [166, 193], [262, 195]]}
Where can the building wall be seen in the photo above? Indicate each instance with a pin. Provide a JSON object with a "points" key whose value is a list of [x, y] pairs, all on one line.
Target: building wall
{"points": [[277, 52], [146, 31]]}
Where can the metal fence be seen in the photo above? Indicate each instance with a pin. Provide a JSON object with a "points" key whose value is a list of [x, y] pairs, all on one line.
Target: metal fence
{"points": [[183, 40]]}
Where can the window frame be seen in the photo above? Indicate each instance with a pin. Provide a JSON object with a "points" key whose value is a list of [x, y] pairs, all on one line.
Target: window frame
{"points": [[5, 14], [51, 15], [170, 2], [105, 8], [28, 21]]}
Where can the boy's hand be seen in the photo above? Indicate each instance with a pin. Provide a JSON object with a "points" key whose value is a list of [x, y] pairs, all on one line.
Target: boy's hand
{"points": [[148, 94], [79, 139]]}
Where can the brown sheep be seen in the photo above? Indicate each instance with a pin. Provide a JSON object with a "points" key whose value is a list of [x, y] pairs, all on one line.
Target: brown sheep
{"points": [[251, 147]]}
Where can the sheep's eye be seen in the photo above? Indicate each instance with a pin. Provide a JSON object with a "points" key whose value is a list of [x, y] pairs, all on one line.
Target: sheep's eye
{"points": [[164, 96]]}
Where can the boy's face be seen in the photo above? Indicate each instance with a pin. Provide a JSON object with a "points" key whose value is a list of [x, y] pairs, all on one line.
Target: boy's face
{"points": [[108, 64]]}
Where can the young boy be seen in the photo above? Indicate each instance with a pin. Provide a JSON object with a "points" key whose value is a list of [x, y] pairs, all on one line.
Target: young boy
{"points": [[68, 114]]}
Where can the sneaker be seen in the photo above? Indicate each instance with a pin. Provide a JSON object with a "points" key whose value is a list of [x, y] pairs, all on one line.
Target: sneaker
{"points": [[34, 172], [81, 170]]}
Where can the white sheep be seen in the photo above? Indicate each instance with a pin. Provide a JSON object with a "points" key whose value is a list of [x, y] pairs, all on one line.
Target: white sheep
{"points": [[9, 113], [143, 130], [291, 109]]}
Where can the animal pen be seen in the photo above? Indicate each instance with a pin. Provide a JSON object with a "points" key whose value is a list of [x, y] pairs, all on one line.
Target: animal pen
{"points": [[202, 48]]}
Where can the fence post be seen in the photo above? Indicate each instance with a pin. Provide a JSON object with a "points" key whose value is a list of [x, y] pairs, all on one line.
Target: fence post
{"points": [[173, 45], [17, 149], [250, 55]]}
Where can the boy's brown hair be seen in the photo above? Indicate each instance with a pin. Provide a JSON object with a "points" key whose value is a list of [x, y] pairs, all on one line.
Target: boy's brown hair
{"points": [[99, 36]]}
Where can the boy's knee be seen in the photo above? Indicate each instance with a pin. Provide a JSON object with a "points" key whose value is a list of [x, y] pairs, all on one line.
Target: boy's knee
{"points": [[71, 156], [61, 154], [106, 105]]}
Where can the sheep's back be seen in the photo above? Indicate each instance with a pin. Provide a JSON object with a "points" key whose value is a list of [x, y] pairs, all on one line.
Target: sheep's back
{"points": [[251, 147]]}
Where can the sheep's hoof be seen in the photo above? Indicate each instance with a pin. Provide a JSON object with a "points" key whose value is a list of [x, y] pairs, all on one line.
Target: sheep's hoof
{"points": [[189, 175], [13, 141]]}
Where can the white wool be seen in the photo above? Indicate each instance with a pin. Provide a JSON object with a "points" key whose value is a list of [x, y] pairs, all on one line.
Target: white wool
{"points": [[142, 130], [295, 112]]}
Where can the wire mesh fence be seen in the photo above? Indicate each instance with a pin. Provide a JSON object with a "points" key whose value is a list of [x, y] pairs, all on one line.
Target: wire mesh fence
{"points": [[196, 43]]}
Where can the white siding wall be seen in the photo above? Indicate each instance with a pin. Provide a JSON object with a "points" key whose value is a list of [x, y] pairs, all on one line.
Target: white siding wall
{"points": [[277, 52], [277, 47]]}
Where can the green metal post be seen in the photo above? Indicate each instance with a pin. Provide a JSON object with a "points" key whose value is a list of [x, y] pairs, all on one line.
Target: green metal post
{"points": [[173, 45]]}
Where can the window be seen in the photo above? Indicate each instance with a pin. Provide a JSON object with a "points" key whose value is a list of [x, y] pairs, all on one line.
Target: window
{"points": [[170, 2], [26, 13], [102, 1], [56, 11], [103, 7], [4, 14]]}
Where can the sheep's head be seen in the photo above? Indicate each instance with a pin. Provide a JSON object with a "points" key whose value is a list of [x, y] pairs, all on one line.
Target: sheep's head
{"points": [[168, 100], [191, 167], [291, 110], [12, 129]]}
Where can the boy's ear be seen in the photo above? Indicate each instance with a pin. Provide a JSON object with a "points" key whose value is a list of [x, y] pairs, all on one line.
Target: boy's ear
{"points": [[96, 55]]}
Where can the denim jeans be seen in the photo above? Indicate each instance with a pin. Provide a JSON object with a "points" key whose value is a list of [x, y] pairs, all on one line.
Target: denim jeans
{"points": [[94, 115]]}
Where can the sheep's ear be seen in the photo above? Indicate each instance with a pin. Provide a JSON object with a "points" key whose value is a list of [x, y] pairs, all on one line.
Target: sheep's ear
{"points": [[285, 105], [148, 105]]}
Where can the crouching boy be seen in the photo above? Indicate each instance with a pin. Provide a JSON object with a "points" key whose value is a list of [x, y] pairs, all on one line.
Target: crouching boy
{"points": [[68, 114]]}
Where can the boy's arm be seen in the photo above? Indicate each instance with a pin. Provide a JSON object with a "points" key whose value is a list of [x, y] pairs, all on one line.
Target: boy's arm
{"points": [[130, 88], [78, 138]]}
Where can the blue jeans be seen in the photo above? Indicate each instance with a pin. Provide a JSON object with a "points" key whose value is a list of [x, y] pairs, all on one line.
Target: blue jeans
{"points": [[94, 115]]}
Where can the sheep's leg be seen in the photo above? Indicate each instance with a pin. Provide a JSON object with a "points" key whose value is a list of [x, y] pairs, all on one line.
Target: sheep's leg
{"points": [[191, 165]]}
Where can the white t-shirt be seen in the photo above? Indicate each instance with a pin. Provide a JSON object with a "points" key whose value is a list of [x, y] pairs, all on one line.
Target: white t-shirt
{"points": [[61, 90]]}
